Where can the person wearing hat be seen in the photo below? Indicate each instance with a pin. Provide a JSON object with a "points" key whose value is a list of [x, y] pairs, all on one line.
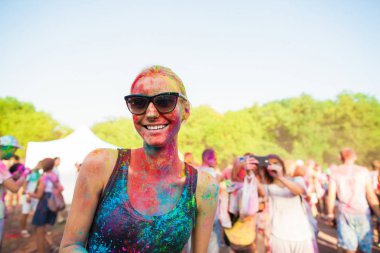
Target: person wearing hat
{"points": [[8, 146]]}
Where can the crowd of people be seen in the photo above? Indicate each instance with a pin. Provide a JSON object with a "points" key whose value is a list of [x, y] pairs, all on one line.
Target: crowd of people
{"points": [[151, 200], [287, 198], [36, 185]]}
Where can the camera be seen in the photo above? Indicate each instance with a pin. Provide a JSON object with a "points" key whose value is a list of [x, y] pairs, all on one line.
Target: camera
{"points": [[263, 161]]}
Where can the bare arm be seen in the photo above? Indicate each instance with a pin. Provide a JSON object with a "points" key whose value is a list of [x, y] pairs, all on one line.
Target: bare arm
{"points": [[260, 189], [294, 187], [331, 198], [24, 184], [277, 172], [372, 198], [12, 185], [93, 176], [207, 198], [40, 189]]}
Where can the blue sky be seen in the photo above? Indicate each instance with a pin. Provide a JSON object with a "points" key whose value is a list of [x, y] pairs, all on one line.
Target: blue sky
{"points": [[77, 59]]}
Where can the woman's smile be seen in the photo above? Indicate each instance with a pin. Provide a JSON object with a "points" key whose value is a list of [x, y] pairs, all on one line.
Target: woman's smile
{"points": [[156, 127]]}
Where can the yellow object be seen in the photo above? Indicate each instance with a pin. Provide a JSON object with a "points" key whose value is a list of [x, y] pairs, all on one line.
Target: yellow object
{"points": [[243, 232]]}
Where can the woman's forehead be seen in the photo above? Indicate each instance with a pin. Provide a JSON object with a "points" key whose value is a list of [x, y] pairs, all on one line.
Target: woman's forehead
{"points": [[273, 160], [151, 85]]}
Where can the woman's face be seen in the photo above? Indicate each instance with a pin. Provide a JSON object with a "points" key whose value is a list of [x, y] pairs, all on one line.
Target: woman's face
{"points": [[275, 168], [157, 129]]}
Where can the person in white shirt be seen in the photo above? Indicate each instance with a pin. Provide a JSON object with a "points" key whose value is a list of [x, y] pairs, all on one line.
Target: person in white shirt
{"points": [[289, 225]]}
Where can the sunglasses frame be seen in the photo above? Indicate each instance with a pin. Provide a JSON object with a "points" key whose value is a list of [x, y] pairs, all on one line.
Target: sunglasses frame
{"points": [[150, 100]]}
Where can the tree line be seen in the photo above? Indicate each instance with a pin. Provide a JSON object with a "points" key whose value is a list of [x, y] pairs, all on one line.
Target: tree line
{"points": [[295, 128]]}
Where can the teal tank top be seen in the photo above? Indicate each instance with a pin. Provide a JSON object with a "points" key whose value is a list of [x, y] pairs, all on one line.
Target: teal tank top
{"points": [[118, 227]]}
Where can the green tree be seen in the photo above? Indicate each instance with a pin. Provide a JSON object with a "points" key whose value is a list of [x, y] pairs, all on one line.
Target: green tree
{"points": [[294, 128], [24, 122], [355, 122], [119, 132]]}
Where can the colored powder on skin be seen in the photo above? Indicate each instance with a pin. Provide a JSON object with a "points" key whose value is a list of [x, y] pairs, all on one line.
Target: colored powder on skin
{"points": [[141, 233]]}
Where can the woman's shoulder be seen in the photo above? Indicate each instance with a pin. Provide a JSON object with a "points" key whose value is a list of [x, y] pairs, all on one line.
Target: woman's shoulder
{"points": [[100, 156], [99, 162], [207, 187], [205, 178]]}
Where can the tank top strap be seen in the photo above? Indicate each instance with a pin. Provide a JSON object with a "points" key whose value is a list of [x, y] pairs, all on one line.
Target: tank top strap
{"points": [[192, 177], [120, 170]]}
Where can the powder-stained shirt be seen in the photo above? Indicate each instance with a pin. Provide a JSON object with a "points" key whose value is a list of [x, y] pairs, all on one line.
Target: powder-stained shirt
{"points": [[350, 181], [118, 227]]}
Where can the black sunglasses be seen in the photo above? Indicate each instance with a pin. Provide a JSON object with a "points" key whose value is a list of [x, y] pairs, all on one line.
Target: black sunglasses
{"points": [[164, 102]]}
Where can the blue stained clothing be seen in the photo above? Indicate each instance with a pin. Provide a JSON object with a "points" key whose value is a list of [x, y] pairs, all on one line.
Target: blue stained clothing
{"points": [[118, 227]]}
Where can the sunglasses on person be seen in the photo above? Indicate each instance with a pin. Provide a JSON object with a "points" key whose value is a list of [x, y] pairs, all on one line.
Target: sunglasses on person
{"points": [[164, 102]]}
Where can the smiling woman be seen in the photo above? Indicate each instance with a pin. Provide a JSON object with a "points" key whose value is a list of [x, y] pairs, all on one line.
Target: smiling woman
{"points": [[146, 199]]}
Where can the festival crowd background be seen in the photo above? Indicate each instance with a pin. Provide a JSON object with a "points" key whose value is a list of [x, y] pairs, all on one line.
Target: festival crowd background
{"points": [[314, 178]]}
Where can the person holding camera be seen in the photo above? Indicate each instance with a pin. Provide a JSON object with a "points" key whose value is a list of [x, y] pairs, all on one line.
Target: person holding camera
{"points": [[286, 210], [239, 205]]}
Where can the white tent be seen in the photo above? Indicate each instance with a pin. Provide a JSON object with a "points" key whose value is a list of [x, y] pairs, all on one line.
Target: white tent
{"points": [[71, 149]]}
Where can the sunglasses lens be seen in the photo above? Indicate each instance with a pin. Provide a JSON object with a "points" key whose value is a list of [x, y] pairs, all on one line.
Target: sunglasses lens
{"points": [[137, 105], [165, 103]]}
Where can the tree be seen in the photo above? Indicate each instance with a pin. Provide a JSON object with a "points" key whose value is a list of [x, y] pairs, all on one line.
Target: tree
{"points": [[25, 123], [294, 128], [119, 132]]}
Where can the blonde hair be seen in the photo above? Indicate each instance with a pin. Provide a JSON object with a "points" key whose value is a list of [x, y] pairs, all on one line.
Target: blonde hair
{"points": [[156, 70]]}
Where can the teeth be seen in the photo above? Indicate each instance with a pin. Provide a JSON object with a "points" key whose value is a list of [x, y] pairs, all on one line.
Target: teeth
{"points": [[155, 127]]}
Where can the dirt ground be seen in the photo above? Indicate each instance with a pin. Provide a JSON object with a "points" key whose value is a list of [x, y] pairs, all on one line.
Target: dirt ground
{"points": [[14, 243]]}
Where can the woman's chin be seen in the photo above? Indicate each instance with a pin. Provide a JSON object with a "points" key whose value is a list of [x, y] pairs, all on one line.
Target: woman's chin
{"points": [[155, 143]]}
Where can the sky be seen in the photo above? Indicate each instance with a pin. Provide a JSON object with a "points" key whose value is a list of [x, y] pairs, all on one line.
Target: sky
{"points": [[76, 60]]}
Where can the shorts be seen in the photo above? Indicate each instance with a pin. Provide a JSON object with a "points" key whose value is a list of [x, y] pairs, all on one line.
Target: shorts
{"points": [[354, 231], [43, 215], [28, 207]]}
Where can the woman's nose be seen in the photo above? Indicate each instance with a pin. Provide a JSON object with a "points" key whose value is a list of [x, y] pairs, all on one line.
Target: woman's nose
{"points": [[151, 111]]}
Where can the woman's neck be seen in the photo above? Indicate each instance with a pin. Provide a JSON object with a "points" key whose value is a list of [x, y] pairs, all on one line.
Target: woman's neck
{"points": [[160, 161]]}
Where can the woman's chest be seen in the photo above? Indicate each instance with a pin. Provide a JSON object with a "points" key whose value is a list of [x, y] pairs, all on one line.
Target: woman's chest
{"points": [[152, 197], [275, 190]]}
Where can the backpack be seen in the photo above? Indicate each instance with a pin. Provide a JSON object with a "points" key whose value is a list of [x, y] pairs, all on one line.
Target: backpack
{"points": [[56, 202]]}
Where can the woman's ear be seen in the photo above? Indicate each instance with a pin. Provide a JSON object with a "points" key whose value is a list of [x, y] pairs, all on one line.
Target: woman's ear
{"points": [[186, 111]]}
